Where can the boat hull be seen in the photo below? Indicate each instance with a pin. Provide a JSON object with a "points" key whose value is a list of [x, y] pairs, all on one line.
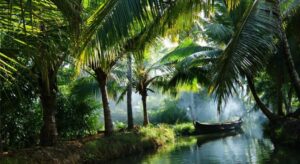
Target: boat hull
{"points": [[202, 128]]}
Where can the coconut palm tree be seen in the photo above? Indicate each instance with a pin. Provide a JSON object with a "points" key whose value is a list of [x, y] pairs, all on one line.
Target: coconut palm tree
{"points": [[171, 21], [66, 18], [31, 42], [129, 93], [144, 76], [295, 79], [250, 49], [104, 50], [110, 44], [193, 63]]}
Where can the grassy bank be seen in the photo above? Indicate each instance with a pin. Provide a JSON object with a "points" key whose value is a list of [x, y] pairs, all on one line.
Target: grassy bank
{"points": [[184, 129], [104, 148], [123, 144]]}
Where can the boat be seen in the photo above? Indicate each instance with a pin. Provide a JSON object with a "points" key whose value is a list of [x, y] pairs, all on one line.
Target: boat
{"points": [[204, 128]]}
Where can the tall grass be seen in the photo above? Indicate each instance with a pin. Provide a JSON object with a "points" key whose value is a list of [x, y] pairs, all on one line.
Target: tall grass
{"points": [[126, 143], [184, 129]]}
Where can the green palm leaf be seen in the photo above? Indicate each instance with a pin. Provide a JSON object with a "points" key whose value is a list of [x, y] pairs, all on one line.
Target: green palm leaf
{"points": [[248, 50], [113, 20], [7, 66], [185, 49], [290, 8], [190, 63]]}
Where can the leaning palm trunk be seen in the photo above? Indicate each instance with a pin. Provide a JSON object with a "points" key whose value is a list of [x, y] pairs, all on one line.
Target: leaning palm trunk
{"points": [[129, 93], [279, 94], [102, 79], [272, 117], [291, 67], [48, 89], [1, 143], [144, 101], [288, 101], [287, 54]]}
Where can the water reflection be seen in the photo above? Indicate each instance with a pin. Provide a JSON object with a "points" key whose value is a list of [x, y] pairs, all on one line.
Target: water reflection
{"points": [[233, 149], [248, 146], [225, 149]]}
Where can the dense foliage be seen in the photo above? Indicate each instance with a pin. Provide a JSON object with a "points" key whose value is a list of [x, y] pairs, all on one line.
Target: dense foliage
{"points": [[169, 113], [64, 63]]}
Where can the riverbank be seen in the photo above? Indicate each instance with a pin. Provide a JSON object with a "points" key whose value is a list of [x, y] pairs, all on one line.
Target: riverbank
{"points": [[287, 133], [229, 148], [100, 149], [96, 150]]}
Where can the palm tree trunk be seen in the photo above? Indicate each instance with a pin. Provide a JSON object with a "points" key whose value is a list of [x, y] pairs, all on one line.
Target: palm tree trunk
{"points": [[47, 79], [48, 89], [49, 134], [288, 55], [102, 79], [288, 101], [260, 104], [1, 143], [279, 94], [129, 93], [144, 101], [291, 67]]}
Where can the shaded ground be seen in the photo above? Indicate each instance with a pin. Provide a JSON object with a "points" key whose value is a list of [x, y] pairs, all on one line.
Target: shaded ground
{"points": [[95, 148]]}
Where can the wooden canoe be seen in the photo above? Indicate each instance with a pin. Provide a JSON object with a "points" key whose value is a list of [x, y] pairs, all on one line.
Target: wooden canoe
{"points": [[204, 128]]}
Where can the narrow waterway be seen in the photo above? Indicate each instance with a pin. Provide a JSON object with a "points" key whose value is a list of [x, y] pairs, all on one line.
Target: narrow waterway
{"points": [[249, 146], [239, 148]]}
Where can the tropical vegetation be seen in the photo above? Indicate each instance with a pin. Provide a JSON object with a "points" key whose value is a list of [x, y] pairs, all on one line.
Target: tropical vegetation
{"points": [[66, 65]]}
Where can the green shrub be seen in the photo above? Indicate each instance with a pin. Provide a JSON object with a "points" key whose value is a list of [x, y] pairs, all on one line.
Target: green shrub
{"points": [[77, 118], [20, 113], [78, 112], [184, 129], [120, 125], [161, 133], [170, 113]]}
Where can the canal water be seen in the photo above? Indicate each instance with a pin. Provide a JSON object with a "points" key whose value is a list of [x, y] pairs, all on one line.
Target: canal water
{"points": [[249, 146]]}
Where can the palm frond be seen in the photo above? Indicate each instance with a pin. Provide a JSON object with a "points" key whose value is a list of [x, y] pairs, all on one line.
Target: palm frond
{"points": [[248, 50], [175, 17], [187, 77], [112, 21], [185, 49], [7, 66], [71, 10], [25, 17], [109, 28], [122, 95], [141, 22], [290, 7], [192, 64], [113, 88], [85, 87], [231, 4], [218, 32], [194, 67]]}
